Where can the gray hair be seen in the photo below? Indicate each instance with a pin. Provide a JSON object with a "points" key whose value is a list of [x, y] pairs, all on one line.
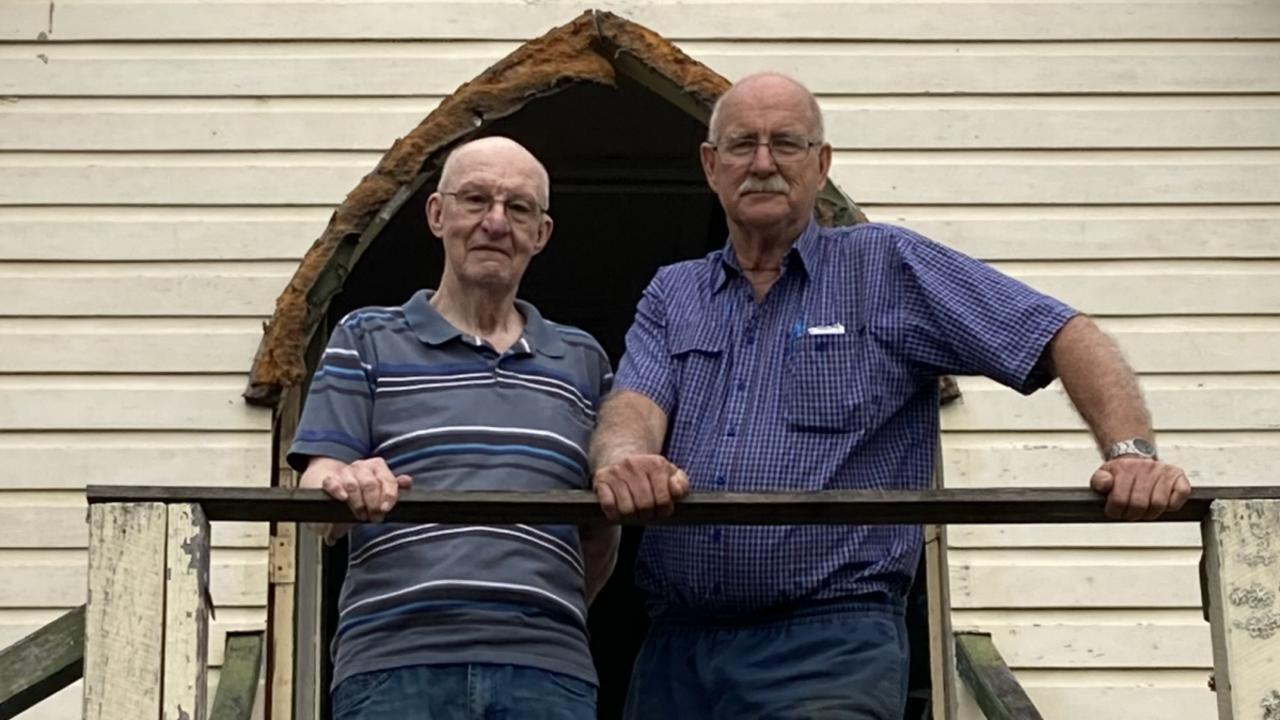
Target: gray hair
{"points": [[544, 179], [713, 126]]}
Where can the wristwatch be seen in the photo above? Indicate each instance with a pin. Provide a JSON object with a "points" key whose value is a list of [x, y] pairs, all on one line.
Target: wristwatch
{"points": [[1137, 447]]}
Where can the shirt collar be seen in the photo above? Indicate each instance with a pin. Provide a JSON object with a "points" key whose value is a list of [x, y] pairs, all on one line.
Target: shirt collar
{"points": [[803, 256], [432, 328]]}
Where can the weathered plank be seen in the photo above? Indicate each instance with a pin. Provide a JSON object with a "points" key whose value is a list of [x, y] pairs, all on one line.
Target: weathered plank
{"points": [[163, 289], [424, 68], [66, 233], [1179, 402], [1091, 231], [41, 664], [858, 123], [996, 537], [32, 525], [122, 345], [1112, 694], [1101, 639], [890, 177], [124, 615], [402, 20], [56, 578], [71, 460], [1067, 460], [1242, 558], [1092, 578], [238, 681], [581, 507], [989, 678], [155, 402], [186, 614]]}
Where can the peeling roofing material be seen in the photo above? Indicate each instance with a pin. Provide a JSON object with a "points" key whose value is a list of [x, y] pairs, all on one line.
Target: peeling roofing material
{"points": [[595, 47]]}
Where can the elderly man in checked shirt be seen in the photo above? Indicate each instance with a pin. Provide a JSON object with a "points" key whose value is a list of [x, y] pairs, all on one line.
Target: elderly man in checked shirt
{"points": [[805, 358], [465, 388]]}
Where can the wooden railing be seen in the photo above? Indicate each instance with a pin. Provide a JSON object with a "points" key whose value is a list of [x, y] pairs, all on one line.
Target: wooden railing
{"points": [[146, 621]]}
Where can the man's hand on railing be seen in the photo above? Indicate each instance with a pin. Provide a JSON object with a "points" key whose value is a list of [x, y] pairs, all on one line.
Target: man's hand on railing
{"points": [[640, 486], [1140, 488]]}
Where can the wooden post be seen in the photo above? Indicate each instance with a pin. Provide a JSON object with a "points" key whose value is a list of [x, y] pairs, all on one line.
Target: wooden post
{"points": [[124, 614], [990, 680], [282, 618], [186, 615], [1242, 561]]}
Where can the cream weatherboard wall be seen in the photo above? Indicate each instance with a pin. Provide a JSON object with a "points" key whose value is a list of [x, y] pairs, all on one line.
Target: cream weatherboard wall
{"points": [[164, 163]]}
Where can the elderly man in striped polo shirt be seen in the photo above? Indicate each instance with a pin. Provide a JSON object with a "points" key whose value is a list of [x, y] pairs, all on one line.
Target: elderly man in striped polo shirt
{"points": [[801, 358], [464, 388]]}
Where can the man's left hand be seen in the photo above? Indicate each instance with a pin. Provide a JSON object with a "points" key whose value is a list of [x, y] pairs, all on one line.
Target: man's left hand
{"points": [[1139, 488]]}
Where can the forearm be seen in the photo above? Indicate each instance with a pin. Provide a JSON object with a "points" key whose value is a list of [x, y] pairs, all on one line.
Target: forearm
{"points": [[1100, 383], [629, 424], [317, 470], [599, 556]]}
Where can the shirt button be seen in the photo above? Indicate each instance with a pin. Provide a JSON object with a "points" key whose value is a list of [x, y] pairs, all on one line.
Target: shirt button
{"points": [[742, 385], [715, 535], [730, 432], [720, 480]]}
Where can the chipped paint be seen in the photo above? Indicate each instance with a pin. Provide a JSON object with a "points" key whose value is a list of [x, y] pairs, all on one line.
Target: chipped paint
{"points": [[1260, 626], [1270, 706], [43, 58], [1254, 596]]}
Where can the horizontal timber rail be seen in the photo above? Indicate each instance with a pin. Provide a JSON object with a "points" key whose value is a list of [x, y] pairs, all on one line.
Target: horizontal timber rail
{"points": [[968, 506]]}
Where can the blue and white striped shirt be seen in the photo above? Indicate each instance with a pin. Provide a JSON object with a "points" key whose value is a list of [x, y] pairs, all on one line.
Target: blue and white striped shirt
{"points": [[829, 383], [403, 384]]}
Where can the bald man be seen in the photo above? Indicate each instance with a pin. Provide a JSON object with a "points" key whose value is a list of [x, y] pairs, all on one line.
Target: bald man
{"points": [[803, 358], [463, 388]]}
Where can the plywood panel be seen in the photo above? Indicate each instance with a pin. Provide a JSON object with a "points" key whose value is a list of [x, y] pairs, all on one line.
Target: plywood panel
{"points": [[127, 403], [156, 289], [1090, 231], [888, 177], [134, 20], [1218, 402], [857, 123], [424, 68], [1164, 578], [68, 233], [56, 578], [71, 460]]}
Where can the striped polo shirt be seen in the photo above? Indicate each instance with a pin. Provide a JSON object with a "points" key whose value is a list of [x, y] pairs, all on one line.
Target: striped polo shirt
{"points": [[403, 384]]}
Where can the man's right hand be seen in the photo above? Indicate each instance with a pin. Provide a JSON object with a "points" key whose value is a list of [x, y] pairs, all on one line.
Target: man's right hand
{"points": [[640, 486], [368, 487]]}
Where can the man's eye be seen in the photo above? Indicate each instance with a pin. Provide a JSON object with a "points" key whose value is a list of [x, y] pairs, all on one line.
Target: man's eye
{"points": [[741, 147], [474, 199], [521, 208], [787, 145]]}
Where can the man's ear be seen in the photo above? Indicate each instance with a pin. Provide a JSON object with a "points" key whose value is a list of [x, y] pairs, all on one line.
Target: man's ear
{"points": [[824, 159], [544, 233], [707, 154], [435, 214]]}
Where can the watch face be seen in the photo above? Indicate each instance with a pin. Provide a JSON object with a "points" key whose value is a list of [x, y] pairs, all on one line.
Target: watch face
{"points": [[1144, 447]]}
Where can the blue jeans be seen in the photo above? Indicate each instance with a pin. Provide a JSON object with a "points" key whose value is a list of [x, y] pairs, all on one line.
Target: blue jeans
{"points": [[463, 692], [841, 661]]}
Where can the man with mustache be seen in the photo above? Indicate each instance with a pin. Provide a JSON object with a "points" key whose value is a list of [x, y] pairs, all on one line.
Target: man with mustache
{"points": [[463, 388], [805, 358]]}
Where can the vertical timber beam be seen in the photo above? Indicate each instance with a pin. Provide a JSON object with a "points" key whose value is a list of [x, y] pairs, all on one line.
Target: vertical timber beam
{"points": [[282, 633], [124, 612], [1242, 560], [186, 614]]}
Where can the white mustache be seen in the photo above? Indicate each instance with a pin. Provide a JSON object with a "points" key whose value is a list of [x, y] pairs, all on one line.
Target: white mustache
{"points": [[772, 184]]}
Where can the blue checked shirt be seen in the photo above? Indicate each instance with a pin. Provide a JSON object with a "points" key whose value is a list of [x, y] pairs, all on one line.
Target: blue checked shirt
{"points": [[829, 383]]}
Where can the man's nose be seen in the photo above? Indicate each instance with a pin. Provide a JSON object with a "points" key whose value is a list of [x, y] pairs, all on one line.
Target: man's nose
{"points": [[762, 162], [495, 219]]}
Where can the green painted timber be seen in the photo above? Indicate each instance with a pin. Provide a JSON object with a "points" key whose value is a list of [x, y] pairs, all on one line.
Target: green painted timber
{"points": [[990, 680], [238, 682], [41, 663]]}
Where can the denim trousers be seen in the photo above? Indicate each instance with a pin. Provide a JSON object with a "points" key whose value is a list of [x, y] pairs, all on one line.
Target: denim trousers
{"points": [[463, 692], [840, 661]]}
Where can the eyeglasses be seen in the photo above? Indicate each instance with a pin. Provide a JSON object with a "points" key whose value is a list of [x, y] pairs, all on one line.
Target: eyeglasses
{"points": [[520, 210], [783, 148]]}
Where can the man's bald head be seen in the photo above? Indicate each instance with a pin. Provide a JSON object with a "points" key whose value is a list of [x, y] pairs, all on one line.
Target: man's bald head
{"points": [[501, 149], [770, 85]]}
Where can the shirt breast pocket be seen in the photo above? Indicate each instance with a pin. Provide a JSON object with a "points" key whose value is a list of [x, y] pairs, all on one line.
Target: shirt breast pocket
{"points": [[822, 387]]}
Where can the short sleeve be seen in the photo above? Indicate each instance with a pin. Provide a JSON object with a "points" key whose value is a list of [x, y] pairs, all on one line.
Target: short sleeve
{"points": [[646, 365], [336, 416], [964, 317]]}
